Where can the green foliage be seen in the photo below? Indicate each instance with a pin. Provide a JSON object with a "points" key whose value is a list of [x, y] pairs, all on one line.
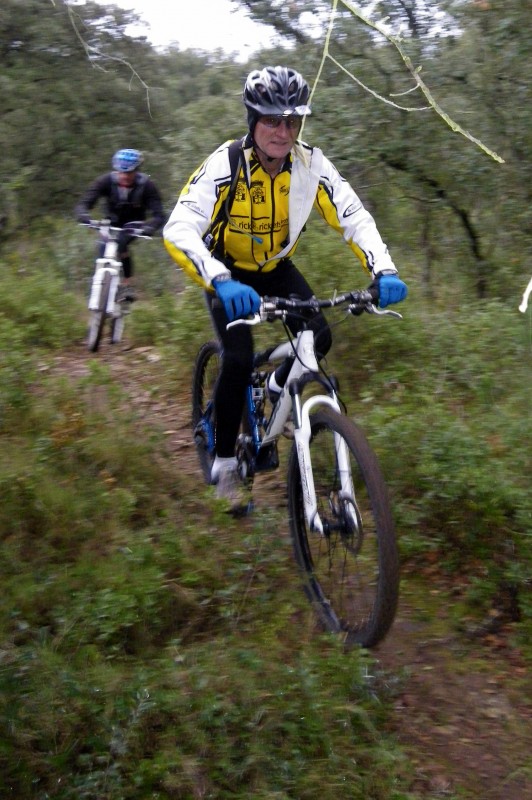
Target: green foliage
{"points": [[450, 389], [119, 587], [432, 191], [42, 312], [149, 647], [186, 720], [16, 373], [36, 313], [118, 93]]}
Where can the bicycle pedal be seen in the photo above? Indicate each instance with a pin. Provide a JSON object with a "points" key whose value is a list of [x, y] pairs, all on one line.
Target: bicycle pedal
{"points": [[267, 458]]}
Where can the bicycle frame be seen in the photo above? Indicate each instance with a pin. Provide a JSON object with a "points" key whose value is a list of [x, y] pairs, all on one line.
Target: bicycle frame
{"points": [[305, 369], [305, 366], [108, 263]]}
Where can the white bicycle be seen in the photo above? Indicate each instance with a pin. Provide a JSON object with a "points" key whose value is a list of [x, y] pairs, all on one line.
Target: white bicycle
{"points": [[340, 517], [105, 302]]}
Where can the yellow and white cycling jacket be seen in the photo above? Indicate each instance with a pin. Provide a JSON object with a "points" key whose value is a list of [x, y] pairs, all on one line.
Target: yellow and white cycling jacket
{"points": [[267, 214]]}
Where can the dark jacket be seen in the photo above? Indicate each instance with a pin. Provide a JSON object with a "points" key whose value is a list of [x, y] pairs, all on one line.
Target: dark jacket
{"points": [[141, 202]]}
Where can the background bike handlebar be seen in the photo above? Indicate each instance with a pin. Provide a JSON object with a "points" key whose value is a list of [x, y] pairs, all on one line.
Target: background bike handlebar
{"points": [[104, 226]]}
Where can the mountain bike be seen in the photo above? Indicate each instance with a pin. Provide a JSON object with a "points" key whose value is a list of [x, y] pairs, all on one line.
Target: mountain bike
{"points": [[105, 303], [340, 519]]}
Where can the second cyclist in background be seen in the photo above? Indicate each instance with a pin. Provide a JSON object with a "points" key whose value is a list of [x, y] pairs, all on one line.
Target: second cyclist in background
{"points": [[128, 196], [235, 229]]}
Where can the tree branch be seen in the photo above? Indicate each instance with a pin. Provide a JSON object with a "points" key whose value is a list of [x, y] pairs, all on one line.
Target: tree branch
{"points": [[90, 50], [415, 72]]}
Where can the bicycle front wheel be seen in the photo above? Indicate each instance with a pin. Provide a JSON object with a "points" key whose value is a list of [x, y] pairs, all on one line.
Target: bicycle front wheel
{"points": [[206, 371], [117, 329], [351, 571], [97, 318]]}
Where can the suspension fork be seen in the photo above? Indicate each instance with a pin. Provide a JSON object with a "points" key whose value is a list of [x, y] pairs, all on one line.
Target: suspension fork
{"points": [[302, 434]]}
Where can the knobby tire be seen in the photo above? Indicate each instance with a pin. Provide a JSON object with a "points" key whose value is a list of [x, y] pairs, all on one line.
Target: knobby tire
{"points": [[117, 328], [97, 320], [205, 375], [351, 573]]}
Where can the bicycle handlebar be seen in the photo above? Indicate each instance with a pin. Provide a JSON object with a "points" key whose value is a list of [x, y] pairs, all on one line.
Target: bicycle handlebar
{"points": [[359, 301], [107, 230]]}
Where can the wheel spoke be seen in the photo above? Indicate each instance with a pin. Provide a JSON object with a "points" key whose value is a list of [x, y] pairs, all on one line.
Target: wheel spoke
{"points": [[350, 572]]}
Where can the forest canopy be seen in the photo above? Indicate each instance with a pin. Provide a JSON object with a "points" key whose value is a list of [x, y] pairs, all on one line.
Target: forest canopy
{"points": [[76, 87]]}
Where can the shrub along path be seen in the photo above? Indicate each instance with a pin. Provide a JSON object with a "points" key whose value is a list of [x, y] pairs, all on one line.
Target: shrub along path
{"points": [[462, 708]]}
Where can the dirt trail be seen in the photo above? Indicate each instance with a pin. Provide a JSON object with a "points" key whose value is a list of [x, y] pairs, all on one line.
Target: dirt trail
{"points": [[463, 707], [463, 712]]}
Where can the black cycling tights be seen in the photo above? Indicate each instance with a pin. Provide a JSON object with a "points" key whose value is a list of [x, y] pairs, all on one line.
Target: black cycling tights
{"points": [[237, 346], [123, 253]]}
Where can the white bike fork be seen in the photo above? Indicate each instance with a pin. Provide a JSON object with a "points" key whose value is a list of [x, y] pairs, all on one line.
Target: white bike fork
{"points": [[302, 434], [107, 264]]}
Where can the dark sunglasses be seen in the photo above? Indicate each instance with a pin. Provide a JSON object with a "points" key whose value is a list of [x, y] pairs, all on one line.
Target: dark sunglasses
{"points": [[293, 123]]}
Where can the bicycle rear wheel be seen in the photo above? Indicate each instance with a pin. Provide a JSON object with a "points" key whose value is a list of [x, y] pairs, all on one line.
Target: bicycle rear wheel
{"points": [[97, 318], [351, 572], [206, 371]]}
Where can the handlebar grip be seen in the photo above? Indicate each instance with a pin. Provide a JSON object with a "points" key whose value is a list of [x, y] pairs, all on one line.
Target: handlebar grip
{"points": [[88, 222]]}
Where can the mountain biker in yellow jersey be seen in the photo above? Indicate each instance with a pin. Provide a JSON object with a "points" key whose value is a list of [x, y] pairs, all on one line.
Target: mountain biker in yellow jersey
{"points": [[234, 230], [128, 196]]}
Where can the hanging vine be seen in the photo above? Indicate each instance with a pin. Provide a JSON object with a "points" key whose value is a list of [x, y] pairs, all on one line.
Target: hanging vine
{"points": [[414, 71]]}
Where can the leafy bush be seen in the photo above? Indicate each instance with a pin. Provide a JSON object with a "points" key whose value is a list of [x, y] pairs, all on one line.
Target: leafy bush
{"points": [[152, 648], [448, 415]]}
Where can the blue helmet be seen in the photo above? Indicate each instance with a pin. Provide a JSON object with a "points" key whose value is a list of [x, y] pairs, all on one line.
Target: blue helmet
{"points": [[127, 160]]}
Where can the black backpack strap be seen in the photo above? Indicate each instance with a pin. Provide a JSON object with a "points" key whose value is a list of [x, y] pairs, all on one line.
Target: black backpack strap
{"points": [[236, 159]]}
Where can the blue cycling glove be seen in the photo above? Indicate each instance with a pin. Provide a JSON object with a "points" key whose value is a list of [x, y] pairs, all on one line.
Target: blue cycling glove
{"points": [[391, 289], [238, 299]]}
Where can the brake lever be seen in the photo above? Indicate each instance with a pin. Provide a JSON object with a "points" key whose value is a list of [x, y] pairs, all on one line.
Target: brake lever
{"points": [[382, 312], [256, 319]]}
